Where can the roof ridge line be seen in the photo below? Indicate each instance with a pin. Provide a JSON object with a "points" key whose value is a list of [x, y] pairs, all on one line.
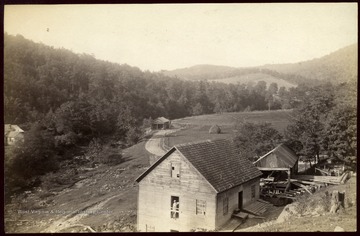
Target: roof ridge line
{"points": [[272, 150], [198, 142]]}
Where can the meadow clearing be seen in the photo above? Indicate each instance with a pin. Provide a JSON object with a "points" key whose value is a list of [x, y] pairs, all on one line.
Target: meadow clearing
{"points": [[196, 128]]}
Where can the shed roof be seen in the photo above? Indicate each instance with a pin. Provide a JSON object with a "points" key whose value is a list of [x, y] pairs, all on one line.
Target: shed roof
{"points": [[285, 156], [217, 161], [160, 120]]}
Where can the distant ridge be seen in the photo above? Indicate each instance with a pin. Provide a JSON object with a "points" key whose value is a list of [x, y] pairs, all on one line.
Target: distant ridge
{"points": [[339, 66]]}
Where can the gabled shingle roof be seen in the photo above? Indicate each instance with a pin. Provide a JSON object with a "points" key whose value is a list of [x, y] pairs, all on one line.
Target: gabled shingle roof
{"points": [[160, 120], [217, 161], [285, 157]]}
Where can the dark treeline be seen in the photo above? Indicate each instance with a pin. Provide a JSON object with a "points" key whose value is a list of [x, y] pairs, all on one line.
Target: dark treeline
{"points": [[56, 85]]}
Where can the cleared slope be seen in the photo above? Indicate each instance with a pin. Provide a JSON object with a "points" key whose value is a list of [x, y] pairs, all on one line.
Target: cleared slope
{"points": [[338, 66], [256, 77]]}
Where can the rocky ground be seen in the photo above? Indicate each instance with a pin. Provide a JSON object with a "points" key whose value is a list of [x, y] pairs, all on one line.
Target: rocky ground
{"points": [[312, 213], [102, 200]]}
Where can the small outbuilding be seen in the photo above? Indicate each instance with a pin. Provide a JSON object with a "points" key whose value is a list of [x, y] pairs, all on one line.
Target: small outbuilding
{"points": [[196, 185], [280, 163], [160, 123], [13, 134], [281, 158]]}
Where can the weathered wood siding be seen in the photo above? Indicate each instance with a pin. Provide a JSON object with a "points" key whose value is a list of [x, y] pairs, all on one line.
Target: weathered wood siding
{"points": [[271, 161], [233, 200], [294, 170], [156, 189]]}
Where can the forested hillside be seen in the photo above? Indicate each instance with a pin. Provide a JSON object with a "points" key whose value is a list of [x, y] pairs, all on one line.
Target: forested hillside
{"points": [[40, 81]]}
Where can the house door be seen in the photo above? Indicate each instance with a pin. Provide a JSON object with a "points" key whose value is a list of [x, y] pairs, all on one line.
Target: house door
{"points": [[240, 200]]}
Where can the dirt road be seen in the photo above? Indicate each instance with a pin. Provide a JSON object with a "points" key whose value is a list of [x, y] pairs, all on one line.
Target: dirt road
{"points": [[71, 220], [155, 144]]}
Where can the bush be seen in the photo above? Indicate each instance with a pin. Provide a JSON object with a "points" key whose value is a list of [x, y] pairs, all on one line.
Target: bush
{"points": [[94, 149], [133, 136], [106, 154], [113, 159], [316, 204], [58, 179]]}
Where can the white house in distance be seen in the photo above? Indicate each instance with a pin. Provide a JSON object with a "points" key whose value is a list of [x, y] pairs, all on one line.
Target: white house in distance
{"points": [[195, 185], [13, 134]]}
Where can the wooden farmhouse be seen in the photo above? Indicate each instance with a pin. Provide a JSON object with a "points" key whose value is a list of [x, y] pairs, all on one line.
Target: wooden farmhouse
{"points": [[160, 123], [195, 186], [13, 134]]}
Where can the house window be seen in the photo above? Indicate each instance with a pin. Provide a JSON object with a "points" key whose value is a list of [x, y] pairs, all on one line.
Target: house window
{"points": [[175, 170], [174, 207], [252, 191], [225, 205], [200, 207]]}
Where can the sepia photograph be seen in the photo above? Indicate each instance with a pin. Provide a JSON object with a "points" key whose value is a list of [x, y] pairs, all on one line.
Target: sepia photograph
{"points": [[207, 117]]}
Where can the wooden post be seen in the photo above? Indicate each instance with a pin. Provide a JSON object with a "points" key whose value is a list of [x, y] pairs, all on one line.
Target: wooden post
{"points": [[335, 204], [288, 180], [342, 199]]}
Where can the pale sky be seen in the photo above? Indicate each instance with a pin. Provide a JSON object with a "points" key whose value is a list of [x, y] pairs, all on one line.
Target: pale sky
{"points": [[169, 36]]}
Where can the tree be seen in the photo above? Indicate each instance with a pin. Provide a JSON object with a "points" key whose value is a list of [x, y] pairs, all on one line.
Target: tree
{"points": [[308, 122], [254, 140], [260, 88], [272, 90], [202, 99], [198, 110], [340, 132], [126, 120], [133, 135], [36, 156]]}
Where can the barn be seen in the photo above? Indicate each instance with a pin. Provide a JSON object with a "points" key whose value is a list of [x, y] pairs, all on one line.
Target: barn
{"points": [[195, 185], [160, 123]]}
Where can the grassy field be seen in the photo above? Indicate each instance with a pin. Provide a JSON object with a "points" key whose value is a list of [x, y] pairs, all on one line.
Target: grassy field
{"points": [[254, 78], [279, 119], [196, 128]]}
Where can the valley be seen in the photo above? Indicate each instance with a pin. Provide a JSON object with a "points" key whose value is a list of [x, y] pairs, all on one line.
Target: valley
{"points": [[105, 199]]}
